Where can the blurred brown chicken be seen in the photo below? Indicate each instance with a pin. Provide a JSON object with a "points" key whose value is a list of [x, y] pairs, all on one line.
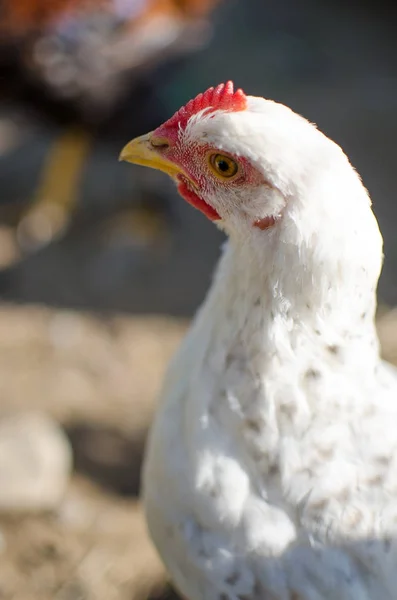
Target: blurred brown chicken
{"points": [[24, 15], [94, 69], [87, 51]]}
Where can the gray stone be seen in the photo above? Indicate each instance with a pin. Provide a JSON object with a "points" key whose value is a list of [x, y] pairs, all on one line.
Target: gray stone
{"points": [[35, 463]]}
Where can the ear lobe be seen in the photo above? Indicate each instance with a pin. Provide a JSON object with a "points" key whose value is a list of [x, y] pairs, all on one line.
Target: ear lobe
{"points": [[266, 222]]}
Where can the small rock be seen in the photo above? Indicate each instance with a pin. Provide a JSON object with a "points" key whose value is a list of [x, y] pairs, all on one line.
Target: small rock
{"points": [[35, 463]]}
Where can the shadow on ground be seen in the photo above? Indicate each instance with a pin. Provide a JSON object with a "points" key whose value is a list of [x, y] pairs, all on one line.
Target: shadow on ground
{"points": [[166, 593], [107, 457]]}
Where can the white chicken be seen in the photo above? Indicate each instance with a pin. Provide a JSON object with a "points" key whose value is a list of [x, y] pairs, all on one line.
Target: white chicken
{"points": [[271, 466]]}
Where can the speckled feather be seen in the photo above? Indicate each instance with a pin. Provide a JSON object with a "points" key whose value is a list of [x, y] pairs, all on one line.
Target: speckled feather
{"points": [[271, 465]]}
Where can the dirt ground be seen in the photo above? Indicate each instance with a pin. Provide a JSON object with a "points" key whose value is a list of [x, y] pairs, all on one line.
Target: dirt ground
{"points": [[98, 376]]}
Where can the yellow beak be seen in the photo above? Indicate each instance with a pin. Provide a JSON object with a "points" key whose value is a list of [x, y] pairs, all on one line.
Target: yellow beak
{"points": [[141, 151]]}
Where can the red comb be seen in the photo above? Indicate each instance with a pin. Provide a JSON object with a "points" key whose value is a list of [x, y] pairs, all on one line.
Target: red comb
{"points": [[223, 97]]}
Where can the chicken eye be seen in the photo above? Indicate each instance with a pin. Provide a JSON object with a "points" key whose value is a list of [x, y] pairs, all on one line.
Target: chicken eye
{"points": [[223, 166]]}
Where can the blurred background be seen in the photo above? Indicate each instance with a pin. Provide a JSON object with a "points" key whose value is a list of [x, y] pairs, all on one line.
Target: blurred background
{"points": [[102, 265]]}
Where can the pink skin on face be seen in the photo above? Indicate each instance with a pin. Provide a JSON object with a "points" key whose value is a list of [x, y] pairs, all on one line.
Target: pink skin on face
{"points": [[199, 180]]}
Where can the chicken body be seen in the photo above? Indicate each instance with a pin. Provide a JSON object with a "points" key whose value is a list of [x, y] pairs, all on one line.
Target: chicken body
{"points": [[271, 465]]}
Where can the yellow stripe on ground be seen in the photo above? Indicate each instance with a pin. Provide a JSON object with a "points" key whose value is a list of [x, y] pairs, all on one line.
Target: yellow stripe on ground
{"points": [[57, 192], [61, 173]]}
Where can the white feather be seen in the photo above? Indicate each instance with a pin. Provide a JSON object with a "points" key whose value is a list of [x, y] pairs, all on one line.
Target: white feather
{"points": [[271, 465]]}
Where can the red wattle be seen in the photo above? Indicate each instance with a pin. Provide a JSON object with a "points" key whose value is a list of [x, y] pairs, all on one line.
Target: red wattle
{"points": [[197, 202]]}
